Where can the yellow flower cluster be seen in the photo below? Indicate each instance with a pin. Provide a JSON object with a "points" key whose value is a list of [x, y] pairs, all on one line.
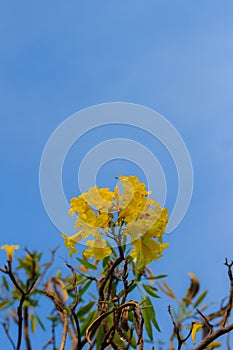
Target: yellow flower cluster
{"points": [[130, 213]]}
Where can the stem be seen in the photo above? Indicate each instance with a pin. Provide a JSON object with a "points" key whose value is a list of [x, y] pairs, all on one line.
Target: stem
{"points": [[22, 299], [26, 332], [8, 335], [214, 336], [65, 329], [20, 321]]}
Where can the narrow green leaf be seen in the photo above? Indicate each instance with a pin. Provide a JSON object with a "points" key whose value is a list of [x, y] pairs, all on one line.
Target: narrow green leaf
{"points": [[52, 318], [147, 322], [37, 291], [204, 307], [4, 280], [33, 323], [199, 299], [4, 304], [24, 265], [87, 264], [182, 309], [156, 277], [40, 322], [88, 320], [100, 336], [151, 313], [129, 290], [81, 280], [83, 311], [84, 288], [105, 262], [214, 345], [58, 274], [39, 255], [151, 290]]}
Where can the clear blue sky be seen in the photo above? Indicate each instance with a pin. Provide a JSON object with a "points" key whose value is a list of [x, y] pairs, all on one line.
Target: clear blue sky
{"points": [[175, 57]]}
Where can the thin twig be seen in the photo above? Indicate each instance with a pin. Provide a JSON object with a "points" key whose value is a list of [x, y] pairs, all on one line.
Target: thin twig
{"points": [[33, 279], [230, 301], [74, 305], [8, 335]]}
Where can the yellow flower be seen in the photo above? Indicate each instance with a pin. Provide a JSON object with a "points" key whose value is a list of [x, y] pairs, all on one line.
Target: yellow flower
{"points": [[146, 249], [71, 241], [133, 199], [10, 250], [101, 199], [97, 248], [78, 205]]}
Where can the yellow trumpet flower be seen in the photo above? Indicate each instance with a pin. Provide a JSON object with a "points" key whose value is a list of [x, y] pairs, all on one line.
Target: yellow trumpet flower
{"points": [[9, 250]]}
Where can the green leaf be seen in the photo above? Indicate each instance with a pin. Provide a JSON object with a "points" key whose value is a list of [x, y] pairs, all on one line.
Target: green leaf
{"points": [[4, 280], [124, 243], [100, 336], [58, 274], [200, 298], [87, 264], [37, 291], [83, 311], [105, 262], [40, 322], [24, 265], [33, 323], [151, 290], [129, 290], [81, 280], [214, 345], [156, 277], [84, 288], [204, 307], [39, 255], [5, 304], [30, 302], [52, 318], [182, 309], [151, 312], [147, 322], [88, 320]]}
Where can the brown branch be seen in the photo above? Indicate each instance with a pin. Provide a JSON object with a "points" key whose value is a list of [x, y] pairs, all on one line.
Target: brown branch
{"points": [[125, 281], [176, 328], [6, 329], [181, 340], [49, 342], [207, 327], [210, 338], [78, 346], [103, 281], [47, 265], [230, 301], [107, 338], [24, 294], [65, 329], [25, 329], [60, 307]]}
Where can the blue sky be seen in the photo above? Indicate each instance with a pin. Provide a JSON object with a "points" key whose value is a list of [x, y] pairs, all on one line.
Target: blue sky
{"points": [[175, 57]]}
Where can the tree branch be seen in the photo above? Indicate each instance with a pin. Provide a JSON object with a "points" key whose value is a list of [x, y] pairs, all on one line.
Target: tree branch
{"points": [[214, 336]]}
